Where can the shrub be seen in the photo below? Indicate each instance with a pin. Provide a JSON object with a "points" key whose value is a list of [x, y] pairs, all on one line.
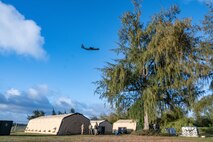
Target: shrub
{"points": [[150, 132], [177, 124], [203, 121]]}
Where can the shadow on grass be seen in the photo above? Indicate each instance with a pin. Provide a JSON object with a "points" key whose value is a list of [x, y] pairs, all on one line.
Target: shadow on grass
{"points": [[34, 135]]}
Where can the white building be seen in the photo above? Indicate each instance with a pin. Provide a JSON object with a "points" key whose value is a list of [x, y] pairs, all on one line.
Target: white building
{"points": [[128, 124]]}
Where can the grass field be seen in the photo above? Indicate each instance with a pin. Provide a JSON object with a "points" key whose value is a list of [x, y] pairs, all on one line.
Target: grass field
{"points": [[21, 137]]}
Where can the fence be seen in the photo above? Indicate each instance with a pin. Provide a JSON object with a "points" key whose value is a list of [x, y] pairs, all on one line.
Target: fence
{"points": [[18, 126]]}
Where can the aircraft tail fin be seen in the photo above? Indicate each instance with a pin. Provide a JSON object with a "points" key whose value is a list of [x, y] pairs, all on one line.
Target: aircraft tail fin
{"points": [[82, 46]]}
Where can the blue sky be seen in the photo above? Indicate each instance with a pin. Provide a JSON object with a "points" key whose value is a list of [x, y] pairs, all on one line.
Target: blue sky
{"points": [[42, 64]]}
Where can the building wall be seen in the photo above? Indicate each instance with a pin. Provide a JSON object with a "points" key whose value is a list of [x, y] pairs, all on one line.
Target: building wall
{"points": [[108, 127], [130, 125], [72, 125], [44, 126]]}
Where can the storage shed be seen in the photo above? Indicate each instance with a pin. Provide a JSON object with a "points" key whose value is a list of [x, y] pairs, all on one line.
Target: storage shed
{"points": [[105, 127], [5, 127], [128, 124], [65, 124]]}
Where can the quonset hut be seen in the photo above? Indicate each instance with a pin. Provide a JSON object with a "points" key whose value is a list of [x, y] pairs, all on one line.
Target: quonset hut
{"points": [[65, 124]]}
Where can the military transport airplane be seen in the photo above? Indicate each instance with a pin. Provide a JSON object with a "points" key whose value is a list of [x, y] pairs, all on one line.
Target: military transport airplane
{"points": [[89, 48]]}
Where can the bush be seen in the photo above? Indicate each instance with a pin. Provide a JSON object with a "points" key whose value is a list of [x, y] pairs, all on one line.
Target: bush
{"points": [[177, 124], [146, 132], [203, 121], [207, 131]]}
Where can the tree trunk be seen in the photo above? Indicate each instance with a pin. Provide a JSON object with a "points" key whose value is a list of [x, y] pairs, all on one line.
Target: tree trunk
{"points": [[146, 121]]}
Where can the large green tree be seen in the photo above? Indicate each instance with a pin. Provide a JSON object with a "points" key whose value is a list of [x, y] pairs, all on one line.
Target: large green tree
{"points": [[208, 22], [160, 66], [36, 113], [208, 29], [203, 108]]}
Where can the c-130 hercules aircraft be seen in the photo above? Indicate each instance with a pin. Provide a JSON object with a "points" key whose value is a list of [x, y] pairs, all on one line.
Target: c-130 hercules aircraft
{"points": [[89, 48]]}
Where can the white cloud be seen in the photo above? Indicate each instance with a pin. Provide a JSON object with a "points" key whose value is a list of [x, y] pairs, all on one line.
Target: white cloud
{"points": [[43, 88], [3, 106], [13, 116], [38, 92], [33, 93], [19, 35], [13, 92], [21, 103], [14, 101], [64, 102]]}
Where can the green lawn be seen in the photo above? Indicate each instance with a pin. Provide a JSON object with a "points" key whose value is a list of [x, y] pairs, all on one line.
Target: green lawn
{"points": [[21, 137]]}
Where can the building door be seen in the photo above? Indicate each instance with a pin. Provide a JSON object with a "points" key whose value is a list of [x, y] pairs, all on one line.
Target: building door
{"points": [[101, 130]]}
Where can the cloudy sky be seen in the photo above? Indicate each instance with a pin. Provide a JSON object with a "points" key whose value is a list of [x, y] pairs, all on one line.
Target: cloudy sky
{"points": [[42, 64]]}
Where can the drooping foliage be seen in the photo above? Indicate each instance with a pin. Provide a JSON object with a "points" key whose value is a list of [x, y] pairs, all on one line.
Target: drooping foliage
{"points": [[161, 66], [112, 117], [208, 22], [208, 29], [203, 111]]}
